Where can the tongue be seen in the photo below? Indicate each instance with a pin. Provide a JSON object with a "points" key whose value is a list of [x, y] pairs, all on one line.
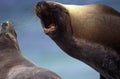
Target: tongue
{"points": [[49, 28]]}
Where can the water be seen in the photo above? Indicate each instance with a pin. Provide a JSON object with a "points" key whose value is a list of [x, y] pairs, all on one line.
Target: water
{"points": [[39, 48]]}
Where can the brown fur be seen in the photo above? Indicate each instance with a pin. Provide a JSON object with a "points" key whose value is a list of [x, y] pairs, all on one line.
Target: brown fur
{"points": [[90, 33]]}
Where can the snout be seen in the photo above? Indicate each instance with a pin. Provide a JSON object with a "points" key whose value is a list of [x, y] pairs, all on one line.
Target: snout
{"points": [[48, 14], [5, 27], [42, 7]]}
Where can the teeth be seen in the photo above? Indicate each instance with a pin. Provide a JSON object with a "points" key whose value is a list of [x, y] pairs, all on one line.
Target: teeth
{"points": [[51, 28]]}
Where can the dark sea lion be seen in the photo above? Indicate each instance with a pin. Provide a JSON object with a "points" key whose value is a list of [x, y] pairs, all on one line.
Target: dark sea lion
{"points": [[90, 33], [12, 64]]}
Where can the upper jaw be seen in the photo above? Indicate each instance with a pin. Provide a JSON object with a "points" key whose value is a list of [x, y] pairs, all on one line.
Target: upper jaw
{"points": [[42, 8], [43, 11]]}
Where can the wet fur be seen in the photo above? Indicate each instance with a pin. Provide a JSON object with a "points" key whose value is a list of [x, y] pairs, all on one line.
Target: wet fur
{"points": [[90, 33]]}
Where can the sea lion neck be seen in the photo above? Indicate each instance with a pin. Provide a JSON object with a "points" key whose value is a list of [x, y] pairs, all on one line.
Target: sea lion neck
{"points": [[8, 37]]}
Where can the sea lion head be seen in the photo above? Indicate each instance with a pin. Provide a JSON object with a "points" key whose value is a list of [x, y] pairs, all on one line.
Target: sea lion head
{"points": [[54, 18], [8, 37]]}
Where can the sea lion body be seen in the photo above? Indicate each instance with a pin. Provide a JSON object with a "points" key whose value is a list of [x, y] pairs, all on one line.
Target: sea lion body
{"points": [[95, 24], [90, 33], [12, 64]]}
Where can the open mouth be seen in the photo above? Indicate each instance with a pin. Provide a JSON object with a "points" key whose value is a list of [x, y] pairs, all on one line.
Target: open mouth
{"points": [[49, 29], [44, 12]]}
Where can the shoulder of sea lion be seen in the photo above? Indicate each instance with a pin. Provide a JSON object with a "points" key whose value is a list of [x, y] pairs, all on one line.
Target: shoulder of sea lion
{"points": [[92, 8], [106, 9]]}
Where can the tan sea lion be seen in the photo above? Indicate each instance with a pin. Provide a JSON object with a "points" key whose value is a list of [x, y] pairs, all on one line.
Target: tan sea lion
{"points": [[12, 64], [90, 33]]}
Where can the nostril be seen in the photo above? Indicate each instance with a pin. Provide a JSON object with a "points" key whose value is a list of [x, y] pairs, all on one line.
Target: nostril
{"points": [[42, 5], [42, 8]]}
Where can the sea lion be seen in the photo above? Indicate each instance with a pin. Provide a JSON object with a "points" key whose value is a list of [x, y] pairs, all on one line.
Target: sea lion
{"points": [[90, 33], [12, 64]]}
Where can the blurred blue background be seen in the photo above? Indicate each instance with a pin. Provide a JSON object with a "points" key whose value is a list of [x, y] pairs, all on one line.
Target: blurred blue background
{"points": [[38, 47]]}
